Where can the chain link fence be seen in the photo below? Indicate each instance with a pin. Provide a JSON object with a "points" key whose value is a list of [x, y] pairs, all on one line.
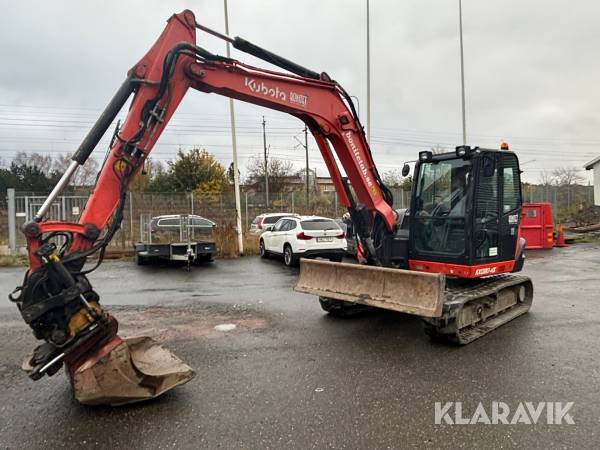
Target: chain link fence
{"points": [[220, 208], [566, 201]]}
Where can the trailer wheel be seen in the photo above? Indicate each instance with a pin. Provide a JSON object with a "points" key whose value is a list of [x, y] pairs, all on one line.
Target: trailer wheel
{"points": [[141, 260], [201, 259]]}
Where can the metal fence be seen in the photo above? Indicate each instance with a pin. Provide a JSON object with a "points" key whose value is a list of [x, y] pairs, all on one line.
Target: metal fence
{"points": [[220, 208], [566, 201]]}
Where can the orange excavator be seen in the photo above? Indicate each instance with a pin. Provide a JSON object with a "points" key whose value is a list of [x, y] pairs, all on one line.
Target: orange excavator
{"points": [[448, 259]]}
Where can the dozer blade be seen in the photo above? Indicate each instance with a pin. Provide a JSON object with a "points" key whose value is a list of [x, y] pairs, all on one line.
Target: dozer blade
{"points": [[405, 291], [126, 371]]}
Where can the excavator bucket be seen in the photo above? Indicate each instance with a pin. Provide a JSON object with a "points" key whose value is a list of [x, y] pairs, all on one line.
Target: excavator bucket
{"points": [[126, 371], [399, 290]]}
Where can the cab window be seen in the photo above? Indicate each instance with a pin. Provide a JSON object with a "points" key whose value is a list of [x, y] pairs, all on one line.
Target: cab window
{"points": [[440, 209], [512, 183]]}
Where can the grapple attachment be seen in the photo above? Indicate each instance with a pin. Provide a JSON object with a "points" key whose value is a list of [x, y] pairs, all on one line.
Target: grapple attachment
{"points": [[399, 290], [126, 371]]}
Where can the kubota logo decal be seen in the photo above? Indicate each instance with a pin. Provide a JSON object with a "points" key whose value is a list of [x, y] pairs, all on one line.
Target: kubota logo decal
{"points": [[359, 160], [263, 89], [275, 92]]}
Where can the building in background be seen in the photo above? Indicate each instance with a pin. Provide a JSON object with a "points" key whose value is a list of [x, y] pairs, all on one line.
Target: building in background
{"points": [[324, 184], [595, 166]]}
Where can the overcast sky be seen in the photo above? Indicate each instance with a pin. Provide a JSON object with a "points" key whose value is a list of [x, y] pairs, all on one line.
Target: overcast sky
{"points": [[531, 69]]}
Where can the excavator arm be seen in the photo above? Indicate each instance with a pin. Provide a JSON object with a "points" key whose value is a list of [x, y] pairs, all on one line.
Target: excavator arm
{"points": [[56, 298]]}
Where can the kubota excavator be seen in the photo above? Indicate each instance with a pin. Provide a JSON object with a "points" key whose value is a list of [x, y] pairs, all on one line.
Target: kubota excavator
{"points": [[448, 260]]}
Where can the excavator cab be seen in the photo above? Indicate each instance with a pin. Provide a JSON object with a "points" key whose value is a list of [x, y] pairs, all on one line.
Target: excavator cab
{"points": [[465, 212], [462, 227]]}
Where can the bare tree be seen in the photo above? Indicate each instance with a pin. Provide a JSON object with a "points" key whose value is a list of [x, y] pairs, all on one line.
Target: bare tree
{"points": [[547, 178], [278, 170], [43, 162], [85, 175], [567, 176], [392, 178], [51, 167], [437, 149]]}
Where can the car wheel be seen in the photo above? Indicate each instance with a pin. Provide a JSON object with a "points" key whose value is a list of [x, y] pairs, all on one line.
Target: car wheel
{"points": [[262, 250], [289, 258], [202, 259]]}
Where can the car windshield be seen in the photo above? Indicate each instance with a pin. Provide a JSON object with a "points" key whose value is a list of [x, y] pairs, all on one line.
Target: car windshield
{"points": [[319, 224], [272, 219], [173, 222]]}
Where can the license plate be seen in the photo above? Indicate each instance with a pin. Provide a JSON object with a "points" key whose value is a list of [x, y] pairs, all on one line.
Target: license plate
{"points": [[324, 239]]}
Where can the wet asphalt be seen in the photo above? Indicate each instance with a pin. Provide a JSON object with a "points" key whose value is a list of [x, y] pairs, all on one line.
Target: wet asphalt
{"points": [[289, 376]]}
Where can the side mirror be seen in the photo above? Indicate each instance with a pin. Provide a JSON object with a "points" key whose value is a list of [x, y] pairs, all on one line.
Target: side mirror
{"points": [[268, 228], [405, 170]]}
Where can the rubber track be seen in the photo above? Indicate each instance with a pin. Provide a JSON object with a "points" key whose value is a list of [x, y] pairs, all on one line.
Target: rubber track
{"points": [[457, 295]]}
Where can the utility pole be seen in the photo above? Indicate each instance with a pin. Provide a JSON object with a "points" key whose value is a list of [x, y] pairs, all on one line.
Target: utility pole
{"points": [[266, 163], [462, 74], [236, 173], [305, 145], [307, 169], [368, 76]]}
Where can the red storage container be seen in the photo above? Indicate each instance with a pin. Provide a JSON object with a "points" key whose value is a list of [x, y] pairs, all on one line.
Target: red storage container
{"points": [[536, 225]]}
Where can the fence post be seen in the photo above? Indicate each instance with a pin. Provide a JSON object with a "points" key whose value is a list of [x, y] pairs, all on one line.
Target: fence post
{"points": [[12, 221], [336, 202], [131, 216], [192, 201], [292, 202], [246, 201]]}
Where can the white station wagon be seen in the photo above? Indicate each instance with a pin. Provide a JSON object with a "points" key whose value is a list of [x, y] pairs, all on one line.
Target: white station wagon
{"points": [[303, 237]]}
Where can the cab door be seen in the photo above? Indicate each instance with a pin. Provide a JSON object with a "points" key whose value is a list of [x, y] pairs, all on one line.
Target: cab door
{"points": [[486, 216], [510, 206], [497, 208]]}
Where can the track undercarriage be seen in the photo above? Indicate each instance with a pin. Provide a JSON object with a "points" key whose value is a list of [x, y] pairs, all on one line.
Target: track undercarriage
{"points": [[473, 309], [456, 311]]}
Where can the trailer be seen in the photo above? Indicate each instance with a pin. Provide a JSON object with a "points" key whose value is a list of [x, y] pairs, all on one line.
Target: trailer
{"points": [[175, 237]]}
